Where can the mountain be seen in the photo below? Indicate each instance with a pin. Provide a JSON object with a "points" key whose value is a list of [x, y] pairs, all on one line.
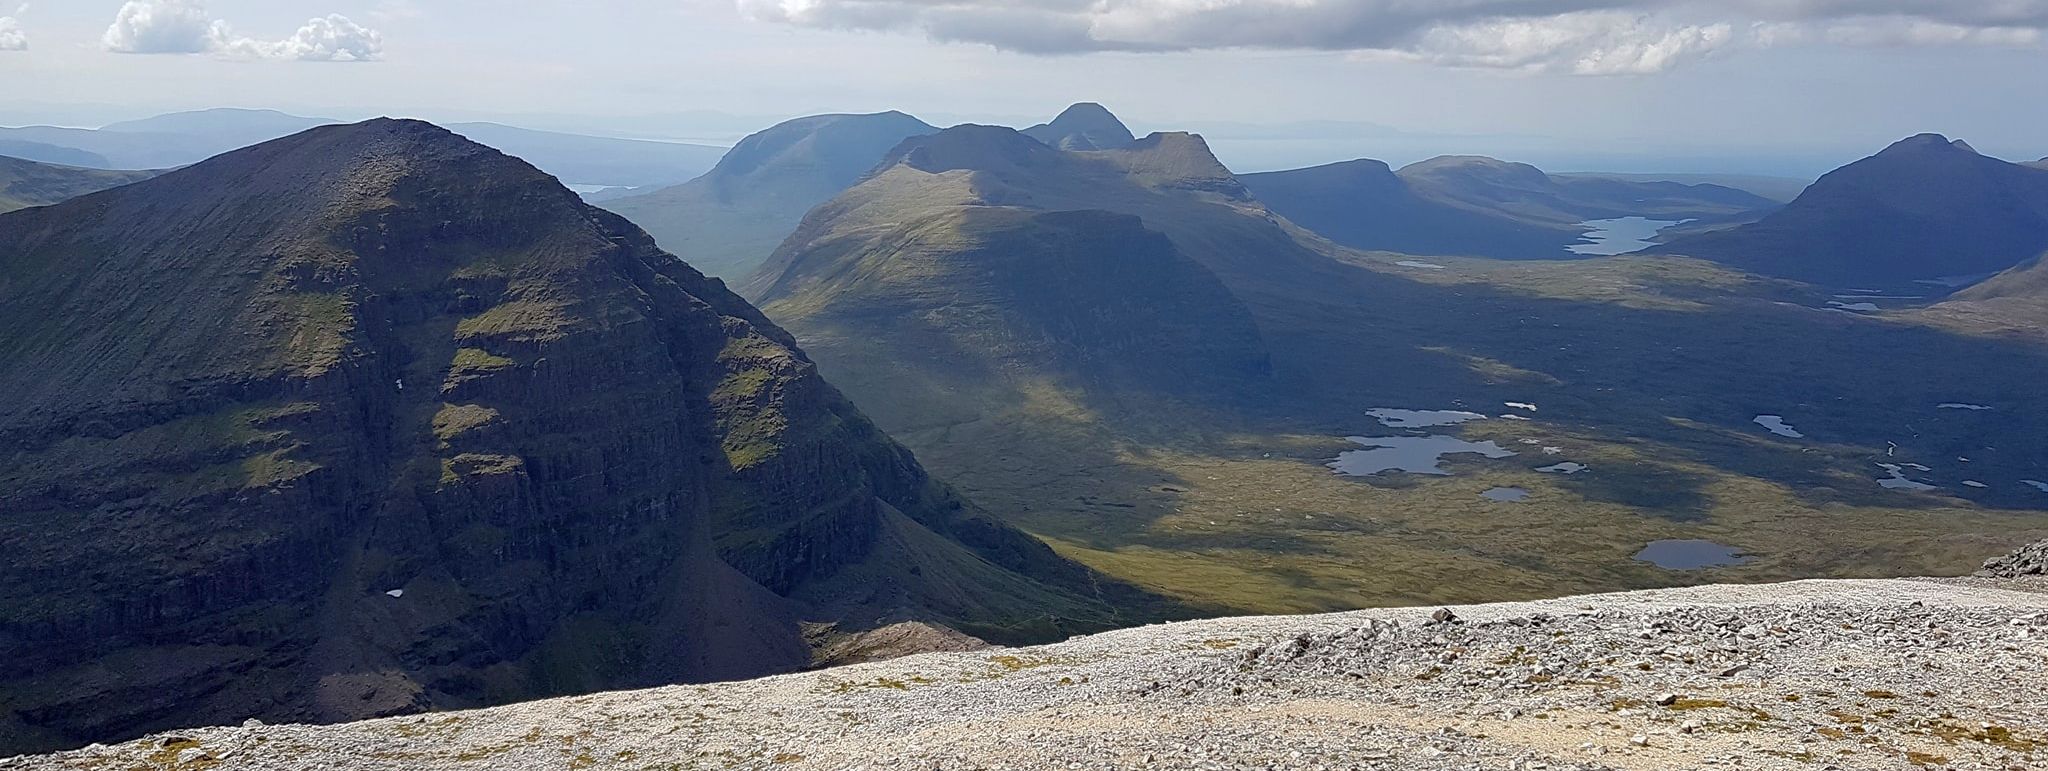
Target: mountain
{"points": [[733, 217], [1473, 206], [1925, 208], [1527, 193], [179, 139], [28, 183], [120, 150], [53, 154], [978, 263], [1364, 205], [580, 159], [1778, 189], [1084, 126], [373, 419], [230, 128]]}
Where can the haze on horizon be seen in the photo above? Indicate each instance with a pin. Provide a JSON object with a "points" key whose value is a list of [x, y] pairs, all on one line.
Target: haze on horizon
{"points": [[1755, 86]]}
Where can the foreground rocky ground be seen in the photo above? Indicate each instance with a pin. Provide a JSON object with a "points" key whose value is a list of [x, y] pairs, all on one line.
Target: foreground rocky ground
{"points": [[1814, 675]]}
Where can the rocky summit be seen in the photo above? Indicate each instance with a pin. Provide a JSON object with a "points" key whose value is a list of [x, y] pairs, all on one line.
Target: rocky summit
{"points": [[375, 420], [1879, 674]]}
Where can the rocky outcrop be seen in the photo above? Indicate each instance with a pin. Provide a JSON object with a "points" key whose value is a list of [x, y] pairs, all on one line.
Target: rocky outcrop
{"points": [[372, 419], [2029, 560]]}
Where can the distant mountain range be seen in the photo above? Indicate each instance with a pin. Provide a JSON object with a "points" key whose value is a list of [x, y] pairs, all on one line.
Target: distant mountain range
{"points": [[178, 139], [373, 419], [26, 183], [1925, 209], [1464, 205], [729, 220]]}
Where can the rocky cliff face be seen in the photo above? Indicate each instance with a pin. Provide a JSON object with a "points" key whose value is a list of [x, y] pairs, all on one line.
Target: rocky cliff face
{"points": [[373, 419]]}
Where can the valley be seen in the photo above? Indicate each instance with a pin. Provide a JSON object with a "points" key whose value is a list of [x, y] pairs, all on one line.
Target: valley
{"points": [[1649, 373]]}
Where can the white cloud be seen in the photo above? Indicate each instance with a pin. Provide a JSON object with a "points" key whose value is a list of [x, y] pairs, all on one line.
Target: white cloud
{"points": [[161, 27], [1587, 43], [12, 38], [1588, 37], [185, 27]]}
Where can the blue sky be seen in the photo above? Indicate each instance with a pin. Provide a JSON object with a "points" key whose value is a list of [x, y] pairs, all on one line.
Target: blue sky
{"points": [[1732, 85]]}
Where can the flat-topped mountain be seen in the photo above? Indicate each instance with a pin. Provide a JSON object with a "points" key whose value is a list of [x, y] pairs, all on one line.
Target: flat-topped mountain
{"points": [[1084, 126], [1476, 206], [373, 419], [1926, 208], [25, 183], [733, 217]]}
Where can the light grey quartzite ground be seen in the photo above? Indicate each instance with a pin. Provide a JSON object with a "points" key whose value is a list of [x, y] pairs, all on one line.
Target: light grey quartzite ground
{"points": [[1896, 674]]}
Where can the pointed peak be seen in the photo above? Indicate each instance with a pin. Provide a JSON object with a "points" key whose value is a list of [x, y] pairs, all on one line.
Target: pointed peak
{"points": [[1087, 112], [1084, 126]]}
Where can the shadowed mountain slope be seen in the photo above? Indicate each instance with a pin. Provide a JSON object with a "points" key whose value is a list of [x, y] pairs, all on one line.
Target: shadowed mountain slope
{"points": [[373, 419], [733, 217], [1926, 208], [1084, 126], [26, 183]]}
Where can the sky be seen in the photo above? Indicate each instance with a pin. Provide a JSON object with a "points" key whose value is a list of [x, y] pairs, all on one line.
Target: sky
{"points": [[1751, 86]]}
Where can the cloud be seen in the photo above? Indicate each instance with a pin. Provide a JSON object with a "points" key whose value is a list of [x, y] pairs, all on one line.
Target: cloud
{"points": [[1586, 43], [185, 27], [1587, 37], [12, 38]]}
